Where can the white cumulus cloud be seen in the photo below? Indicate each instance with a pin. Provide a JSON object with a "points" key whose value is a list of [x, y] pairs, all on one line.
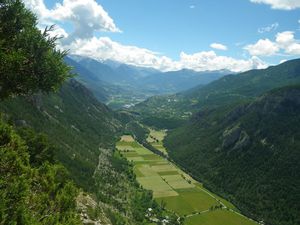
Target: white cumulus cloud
{"points": [[286, 40], [104, 48], [280, 4], [209, 60], [86, 16], [263, 47], [218, 46]]}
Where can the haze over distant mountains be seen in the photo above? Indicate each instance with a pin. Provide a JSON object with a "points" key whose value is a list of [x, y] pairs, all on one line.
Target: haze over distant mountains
{"points": [[174, 115], [121, 85]]}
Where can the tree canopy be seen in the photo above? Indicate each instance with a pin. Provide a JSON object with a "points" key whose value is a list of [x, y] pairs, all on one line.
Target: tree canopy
{"points": [[29, 59], [31, 192]]}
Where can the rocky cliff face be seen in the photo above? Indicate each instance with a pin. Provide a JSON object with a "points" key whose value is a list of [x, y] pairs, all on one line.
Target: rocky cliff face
{"points": [[235, 138]]}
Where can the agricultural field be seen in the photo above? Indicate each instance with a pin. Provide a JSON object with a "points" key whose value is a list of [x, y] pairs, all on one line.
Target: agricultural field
{"points": [[176, 190], [219, 217], [155, 138]]}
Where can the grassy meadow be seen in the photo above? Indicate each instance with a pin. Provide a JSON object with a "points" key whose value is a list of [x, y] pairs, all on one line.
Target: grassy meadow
{"points": [[176, 190], [155, 138]]}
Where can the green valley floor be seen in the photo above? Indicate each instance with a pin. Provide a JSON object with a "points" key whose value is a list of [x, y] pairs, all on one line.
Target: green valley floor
{"points": [[176, 190]]}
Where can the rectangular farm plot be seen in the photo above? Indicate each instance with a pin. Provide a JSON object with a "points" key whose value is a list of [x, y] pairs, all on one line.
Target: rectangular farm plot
{"points": [[164, 168], [155, 138], [175, 203], [157, 185], [219, 217], [199, 200], [135, 158], [152, 157], [127, 138], [189, 202], [124, 148], [180, 192], [130, 154], [132, 144], [177, 182], [157, 135], [164, 173], [142, 151], [162, 162], [147, 171], [160, 194]]}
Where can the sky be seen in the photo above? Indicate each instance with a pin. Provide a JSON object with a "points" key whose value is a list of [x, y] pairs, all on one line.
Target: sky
{"points": [[235, 35]]}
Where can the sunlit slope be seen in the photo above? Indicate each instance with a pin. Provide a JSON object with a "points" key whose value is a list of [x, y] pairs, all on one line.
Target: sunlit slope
{"points": [[170, 111]]}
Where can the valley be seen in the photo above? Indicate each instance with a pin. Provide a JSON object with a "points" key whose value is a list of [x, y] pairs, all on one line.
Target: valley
{"points": [[238, 139], [120, 117], [174, 189], [123, 86]]}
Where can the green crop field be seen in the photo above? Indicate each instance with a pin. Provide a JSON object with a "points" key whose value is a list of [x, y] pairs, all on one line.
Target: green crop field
{"points": [[177, 182], [190, 201], [157, 135], [177, 190], [218, 217], [155, 138]]}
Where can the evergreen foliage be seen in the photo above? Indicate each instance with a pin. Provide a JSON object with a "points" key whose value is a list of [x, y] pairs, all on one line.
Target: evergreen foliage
{"points": [[249, 154], [29, 60], [34, 187], [229, 90], [33, 193]]}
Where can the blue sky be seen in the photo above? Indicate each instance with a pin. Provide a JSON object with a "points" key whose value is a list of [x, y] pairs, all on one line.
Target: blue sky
{"points": [[171, 26], [175, 34]]}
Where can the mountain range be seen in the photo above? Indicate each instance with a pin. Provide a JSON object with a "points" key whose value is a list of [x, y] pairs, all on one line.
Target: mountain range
{"points": [[226, 91], [239, 135], [118, 84], [89, 141]]}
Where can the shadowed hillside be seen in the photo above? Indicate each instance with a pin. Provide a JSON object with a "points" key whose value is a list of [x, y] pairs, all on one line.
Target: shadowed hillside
{"points": [[249, 154]]}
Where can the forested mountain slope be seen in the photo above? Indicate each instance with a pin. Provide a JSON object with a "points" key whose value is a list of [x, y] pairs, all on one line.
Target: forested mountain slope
{"points": [[83, 133], [35, 189], [52, 129], [89, 79], [245, 85], [249, 154], [75, 122], [230, 89]]}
